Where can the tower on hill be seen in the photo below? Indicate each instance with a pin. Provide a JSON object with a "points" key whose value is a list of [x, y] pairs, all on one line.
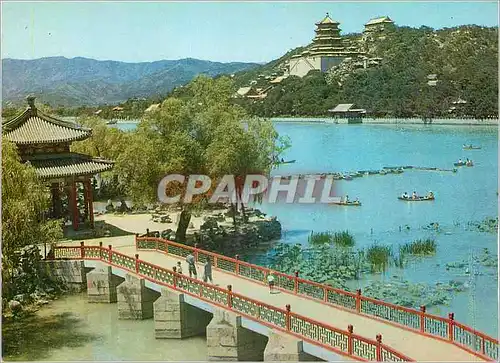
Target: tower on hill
{"points": [[327, 50]]}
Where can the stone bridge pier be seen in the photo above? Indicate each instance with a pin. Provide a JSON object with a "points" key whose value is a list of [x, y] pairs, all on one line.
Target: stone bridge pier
{"points": [[102, 285], [135, 300], [176, 319], [228, 340], [286, 348]]}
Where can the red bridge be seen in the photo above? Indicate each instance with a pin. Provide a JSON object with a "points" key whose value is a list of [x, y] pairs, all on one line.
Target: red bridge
{"points": [[346, 323]]}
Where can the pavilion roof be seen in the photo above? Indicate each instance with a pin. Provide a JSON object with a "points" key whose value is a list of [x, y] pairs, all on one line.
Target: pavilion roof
{"points": [[342, 107], [379, 20], [35, 127], [68, 164], [327, 20]]}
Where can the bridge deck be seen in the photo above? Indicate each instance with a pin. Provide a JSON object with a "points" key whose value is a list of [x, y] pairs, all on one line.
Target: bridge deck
{"points": [[414, 345]]}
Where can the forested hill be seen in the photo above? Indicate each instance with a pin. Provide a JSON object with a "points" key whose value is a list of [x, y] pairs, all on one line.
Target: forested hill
{"points": [[463, 60], [60, 81]]}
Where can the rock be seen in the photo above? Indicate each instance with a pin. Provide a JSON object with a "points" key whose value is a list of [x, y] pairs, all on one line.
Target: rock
{"points": [[15, 306], [110, 207]]}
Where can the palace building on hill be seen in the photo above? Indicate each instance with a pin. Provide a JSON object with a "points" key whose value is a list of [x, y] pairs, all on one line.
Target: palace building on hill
{"points": [[378, 24], [44, 142], [327, 50]]}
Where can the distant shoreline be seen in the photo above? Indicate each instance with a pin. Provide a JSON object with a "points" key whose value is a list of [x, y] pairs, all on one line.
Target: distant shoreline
{"points": [[392, 121]]}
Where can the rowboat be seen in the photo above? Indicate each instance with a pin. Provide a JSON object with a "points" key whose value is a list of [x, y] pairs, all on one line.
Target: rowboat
{"points": [[418, 199], [471, 147], [464, 163], [348, 204], [287, 162]]}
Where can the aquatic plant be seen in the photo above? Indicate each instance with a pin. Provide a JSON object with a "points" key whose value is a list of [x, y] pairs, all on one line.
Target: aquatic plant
{"points": [[320, 263], [320, 238], [340, 239], [378, 256], [488, 224], [419, 247], [343, 239], [413, 295]]}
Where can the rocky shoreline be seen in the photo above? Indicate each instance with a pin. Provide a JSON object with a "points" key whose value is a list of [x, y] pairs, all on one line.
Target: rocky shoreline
{"points": [[29, 286], [214, 229]]}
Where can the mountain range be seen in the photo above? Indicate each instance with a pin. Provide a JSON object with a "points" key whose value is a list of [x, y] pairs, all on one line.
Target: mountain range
{"points": [[60, 81]]}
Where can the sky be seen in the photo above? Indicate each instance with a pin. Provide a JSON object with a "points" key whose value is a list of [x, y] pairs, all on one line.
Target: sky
{"points": [[216, 31]]}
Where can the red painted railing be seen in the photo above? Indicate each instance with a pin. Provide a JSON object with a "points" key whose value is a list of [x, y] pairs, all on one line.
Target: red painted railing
{"points": [[420, 321], [343, 342]]}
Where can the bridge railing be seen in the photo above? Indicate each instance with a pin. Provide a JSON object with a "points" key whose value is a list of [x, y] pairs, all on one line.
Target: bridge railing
{"points": [[420, 321], [343, 342]]}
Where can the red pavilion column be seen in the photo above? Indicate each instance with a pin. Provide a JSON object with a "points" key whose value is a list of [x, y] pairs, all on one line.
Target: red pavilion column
{"points": [[74, 206], [90, 199], [86, 200]]}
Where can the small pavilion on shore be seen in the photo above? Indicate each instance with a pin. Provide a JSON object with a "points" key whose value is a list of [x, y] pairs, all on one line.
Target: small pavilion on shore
{"points": [[44, 142], [347, 110]]}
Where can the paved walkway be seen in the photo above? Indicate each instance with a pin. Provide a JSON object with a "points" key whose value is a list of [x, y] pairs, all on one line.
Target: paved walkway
{"points": [[414, 345]]}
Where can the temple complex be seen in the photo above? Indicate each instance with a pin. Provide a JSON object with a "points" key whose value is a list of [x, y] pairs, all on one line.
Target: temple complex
{"points": [[326, 51], [44, 142]]}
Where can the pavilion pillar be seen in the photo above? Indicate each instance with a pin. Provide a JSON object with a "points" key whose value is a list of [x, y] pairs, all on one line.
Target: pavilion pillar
{"points": [[74, 205], [90, 198], [86, 200]]}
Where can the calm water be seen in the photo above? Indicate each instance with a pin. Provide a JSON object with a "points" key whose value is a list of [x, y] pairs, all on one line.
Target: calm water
{"points": [[73, 330], [468, 195]]}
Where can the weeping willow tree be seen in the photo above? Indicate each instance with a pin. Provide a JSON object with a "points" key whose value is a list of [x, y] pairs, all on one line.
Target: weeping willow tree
{"points": [[203, 133], [24, 203]]}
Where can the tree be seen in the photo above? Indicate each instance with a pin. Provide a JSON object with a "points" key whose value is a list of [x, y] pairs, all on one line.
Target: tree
{"points": [[24, 202], [108, 143], [204, 133]]}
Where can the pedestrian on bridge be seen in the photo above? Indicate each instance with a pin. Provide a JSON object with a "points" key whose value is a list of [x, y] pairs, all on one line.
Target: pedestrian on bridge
{"points": [[179, 267], [207, 275], [270, 281], [191, 266]]}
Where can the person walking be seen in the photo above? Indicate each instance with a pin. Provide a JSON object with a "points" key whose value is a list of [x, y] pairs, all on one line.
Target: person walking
{"points": [[270, 281], [179, 267], [191, 266], [207, 275]]}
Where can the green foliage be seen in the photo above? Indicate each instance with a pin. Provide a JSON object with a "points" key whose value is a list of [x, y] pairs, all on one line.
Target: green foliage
{"points": [[320, 263], [343, 239], [320, 238], [419, 247], [340, 239], [108, 143], [378, 256], [24, 202]]}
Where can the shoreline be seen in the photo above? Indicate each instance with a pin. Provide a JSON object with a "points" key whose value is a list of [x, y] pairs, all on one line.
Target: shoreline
{"points": [[390, 121]]}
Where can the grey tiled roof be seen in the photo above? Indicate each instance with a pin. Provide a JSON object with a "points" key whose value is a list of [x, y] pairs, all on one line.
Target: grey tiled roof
{"points": [[34, 127], [64, 165], [343, 107]]}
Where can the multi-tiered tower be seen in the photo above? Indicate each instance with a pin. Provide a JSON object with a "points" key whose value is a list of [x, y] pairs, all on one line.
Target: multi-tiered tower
{"points": [[327, 50]]}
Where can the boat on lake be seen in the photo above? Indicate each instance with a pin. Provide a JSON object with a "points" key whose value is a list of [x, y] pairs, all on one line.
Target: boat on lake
{"points": [[464, 163], [471, 147], [287, 162], [417, 199], [355, 203]]}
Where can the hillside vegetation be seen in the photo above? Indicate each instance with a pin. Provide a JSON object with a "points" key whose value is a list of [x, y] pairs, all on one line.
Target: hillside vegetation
{"points": [[464, 60]]}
